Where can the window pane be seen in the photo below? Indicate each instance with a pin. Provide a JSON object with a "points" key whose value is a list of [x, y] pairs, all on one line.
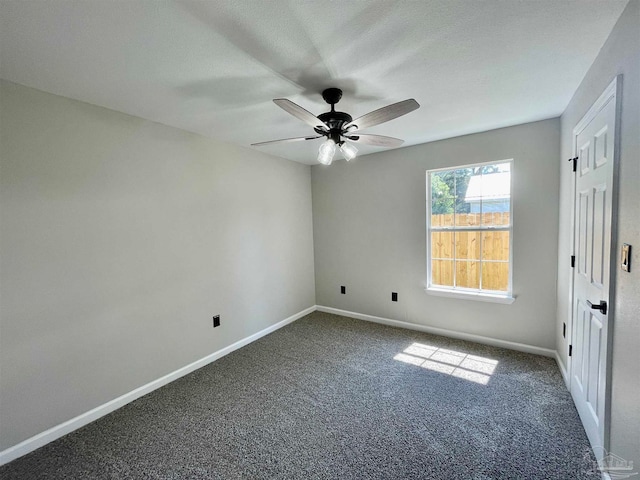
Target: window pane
{"points": [[495, 246], [442, 212], [442, 245], [442, 193], [465, 218], [462, 180], [495, 188], [468, 274], [442, 272], [440, 185], [467, 245], [495, 276]]}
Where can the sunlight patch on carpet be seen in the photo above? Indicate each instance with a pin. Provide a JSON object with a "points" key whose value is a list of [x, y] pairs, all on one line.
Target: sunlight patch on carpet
{"points": [[451, 362]]}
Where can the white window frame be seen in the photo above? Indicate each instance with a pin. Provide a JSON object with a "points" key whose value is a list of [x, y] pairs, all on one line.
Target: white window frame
{"points": [[461, 292]]}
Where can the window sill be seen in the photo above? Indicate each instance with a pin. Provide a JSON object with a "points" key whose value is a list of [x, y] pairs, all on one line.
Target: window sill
{"points": [[477, 296]]}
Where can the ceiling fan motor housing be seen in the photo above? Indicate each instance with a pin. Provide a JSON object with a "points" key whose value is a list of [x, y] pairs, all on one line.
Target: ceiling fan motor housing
{"points": [[334, 120]]}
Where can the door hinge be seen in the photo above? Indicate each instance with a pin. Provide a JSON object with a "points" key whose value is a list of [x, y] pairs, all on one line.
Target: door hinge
{"points": [[573, 261], [570, 349], [575, 163]]}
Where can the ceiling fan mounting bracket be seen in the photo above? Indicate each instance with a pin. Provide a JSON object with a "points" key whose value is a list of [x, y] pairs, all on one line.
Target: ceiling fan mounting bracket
{"points": [[332, 95]]}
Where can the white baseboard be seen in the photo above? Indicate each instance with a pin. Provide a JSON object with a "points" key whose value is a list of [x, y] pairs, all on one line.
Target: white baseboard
{"points": [[563, 371], [69, 426], [521, 347]]}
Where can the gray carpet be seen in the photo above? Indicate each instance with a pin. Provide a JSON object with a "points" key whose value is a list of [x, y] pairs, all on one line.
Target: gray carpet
{"points": [[334, 398]]}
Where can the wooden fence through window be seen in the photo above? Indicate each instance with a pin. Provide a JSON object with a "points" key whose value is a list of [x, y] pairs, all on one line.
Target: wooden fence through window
{"points": [[478, 254]]}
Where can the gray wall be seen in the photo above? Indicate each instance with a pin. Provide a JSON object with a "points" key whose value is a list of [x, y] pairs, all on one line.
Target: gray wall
{"points": [[120, 239], [619, 55], [369, 234]]}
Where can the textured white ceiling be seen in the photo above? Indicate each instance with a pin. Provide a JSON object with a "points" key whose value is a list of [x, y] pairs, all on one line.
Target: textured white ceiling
{"points": [[213, 67]]}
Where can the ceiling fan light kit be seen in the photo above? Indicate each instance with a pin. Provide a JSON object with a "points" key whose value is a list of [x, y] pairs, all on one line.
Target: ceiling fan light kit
{"points": [[349, 151], [338, 127], [326, 152]]}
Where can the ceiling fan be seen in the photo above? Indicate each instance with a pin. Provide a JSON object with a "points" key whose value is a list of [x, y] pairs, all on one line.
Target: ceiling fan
{"points": [[340, 128]]}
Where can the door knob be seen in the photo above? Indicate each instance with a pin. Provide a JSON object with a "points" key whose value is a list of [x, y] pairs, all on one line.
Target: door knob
{"points": [[602, 306]]}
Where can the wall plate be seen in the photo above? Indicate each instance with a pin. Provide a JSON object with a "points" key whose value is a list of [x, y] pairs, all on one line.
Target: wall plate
{"points": [[625, 258]]}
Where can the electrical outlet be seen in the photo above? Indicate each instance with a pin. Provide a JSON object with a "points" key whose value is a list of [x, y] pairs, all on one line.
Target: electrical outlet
{"points": [[394, 296], [216, 321], [343, 290]]}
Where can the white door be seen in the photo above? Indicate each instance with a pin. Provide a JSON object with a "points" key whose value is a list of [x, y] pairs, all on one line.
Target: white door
{"points": [[594, 143]]}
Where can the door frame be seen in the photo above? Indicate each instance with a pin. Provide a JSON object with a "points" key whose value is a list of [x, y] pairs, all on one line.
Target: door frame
{"points": [[613, 91]]}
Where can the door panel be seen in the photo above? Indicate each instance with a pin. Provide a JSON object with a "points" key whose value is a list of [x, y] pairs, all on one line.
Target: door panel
{"points": [[578, 352], [595, 353], [601, 147], [599, 257], [583, 228], [583, 158]]}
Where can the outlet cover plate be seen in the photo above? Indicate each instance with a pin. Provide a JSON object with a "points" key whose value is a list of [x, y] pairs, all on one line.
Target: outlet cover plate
{"points": [[625, 258]]}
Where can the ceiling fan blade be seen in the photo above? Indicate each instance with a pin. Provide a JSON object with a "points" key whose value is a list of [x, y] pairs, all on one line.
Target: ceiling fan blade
{"points": [[376, 140], [299, 112], [286, 140], [383, 114]]}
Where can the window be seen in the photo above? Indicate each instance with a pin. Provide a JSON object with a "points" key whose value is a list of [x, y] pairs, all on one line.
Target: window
{"points": [[469, 231]]}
